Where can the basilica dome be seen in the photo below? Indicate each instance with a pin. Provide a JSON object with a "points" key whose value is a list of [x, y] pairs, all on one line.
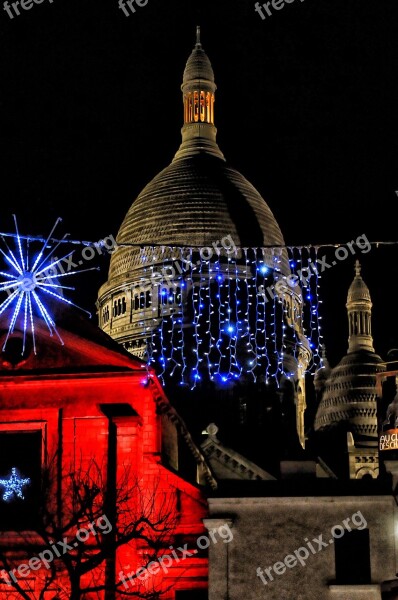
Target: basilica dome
{"points": [[194, 202], [198, 199], [199, 318]]}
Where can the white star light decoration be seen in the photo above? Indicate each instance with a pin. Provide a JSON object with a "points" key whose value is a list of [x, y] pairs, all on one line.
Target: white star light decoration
{"points": [[14, 485], [31, 278]]}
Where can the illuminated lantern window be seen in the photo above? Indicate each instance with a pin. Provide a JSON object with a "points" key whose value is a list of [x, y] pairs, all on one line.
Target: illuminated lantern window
{"points": [[196, 106], [202, 107], [208, 108]]}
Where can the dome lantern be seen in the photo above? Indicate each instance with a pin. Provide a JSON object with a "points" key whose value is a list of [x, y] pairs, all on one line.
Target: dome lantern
{"points": [[198, 89]]}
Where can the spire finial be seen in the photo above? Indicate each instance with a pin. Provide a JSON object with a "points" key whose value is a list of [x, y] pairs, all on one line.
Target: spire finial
{"points": [[359, 308], [198, 44]]}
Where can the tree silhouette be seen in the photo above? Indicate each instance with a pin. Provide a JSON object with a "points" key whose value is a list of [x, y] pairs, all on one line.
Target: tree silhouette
{"points": [[86, 516]]}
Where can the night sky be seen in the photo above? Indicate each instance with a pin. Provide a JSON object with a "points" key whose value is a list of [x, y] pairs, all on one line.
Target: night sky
{"points": [[306, 109]]}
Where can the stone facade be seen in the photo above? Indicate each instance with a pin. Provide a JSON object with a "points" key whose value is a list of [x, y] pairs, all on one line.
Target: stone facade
{"points": [[269, 527]]}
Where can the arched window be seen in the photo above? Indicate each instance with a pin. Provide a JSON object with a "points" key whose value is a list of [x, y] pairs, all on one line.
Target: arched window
{"points": [[148, 299], [190, 108], [164, 292], [208, 107], [196, 106], [202, 107], [142, 300]]}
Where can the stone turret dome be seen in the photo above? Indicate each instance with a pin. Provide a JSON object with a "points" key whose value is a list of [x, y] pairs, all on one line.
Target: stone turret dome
{"points": [[350, 396], [358, 290], [198, 66]]}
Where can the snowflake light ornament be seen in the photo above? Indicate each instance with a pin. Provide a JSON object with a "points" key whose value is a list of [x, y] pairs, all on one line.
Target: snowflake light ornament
{"points": [[30, 280], [14, 485]]}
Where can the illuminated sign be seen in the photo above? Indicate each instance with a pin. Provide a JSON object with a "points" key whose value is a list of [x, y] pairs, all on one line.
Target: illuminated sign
{"points": [[388, 411], [388, 440]]}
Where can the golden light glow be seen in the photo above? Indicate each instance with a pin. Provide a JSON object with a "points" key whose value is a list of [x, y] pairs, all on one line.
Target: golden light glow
{"points": [[199, 107]]}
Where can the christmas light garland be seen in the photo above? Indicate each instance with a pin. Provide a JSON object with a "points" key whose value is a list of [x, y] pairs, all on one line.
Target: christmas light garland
{"points": [[221, 318]]}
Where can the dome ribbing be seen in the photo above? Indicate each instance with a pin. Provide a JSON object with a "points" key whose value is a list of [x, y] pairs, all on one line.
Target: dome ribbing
{"points": [[350, 395], [194, 202]]}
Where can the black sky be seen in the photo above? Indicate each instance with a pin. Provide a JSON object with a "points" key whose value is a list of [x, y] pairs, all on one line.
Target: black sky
{"points": [[306, 109]]}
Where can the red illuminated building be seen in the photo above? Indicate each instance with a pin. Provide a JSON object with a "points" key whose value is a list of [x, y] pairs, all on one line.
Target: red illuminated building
{"points": [[91, 438]]}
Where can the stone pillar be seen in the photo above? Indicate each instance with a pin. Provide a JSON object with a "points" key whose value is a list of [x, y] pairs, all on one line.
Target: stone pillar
{"points": [[218, 561]]}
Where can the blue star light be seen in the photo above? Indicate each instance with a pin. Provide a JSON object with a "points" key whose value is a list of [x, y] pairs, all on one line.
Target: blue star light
{"points": [[13, 485], [31, 279]]}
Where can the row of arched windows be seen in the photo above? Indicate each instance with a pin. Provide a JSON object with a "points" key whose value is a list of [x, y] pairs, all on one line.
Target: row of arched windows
{"points": [[143, 300], [119, 307], [360, 323], [199, 106], [172, 296]]}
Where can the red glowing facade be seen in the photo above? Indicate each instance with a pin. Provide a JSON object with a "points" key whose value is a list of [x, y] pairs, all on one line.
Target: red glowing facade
{"points": [[90, 420]]}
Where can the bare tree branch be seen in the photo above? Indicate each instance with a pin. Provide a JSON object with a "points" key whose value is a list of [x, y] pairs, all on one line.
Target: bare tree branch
{"points": [[142, 514]]}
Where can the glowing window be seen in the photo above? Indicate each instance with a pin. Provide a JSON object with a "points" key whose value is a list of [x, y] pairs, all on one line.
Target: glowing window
{"points": [[196, 106], [202, 107]]}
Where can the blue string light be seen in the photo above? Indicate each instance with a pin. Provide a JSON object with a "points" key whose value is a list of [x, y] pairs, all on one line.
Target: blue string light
{"points": [[220, 326]]}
